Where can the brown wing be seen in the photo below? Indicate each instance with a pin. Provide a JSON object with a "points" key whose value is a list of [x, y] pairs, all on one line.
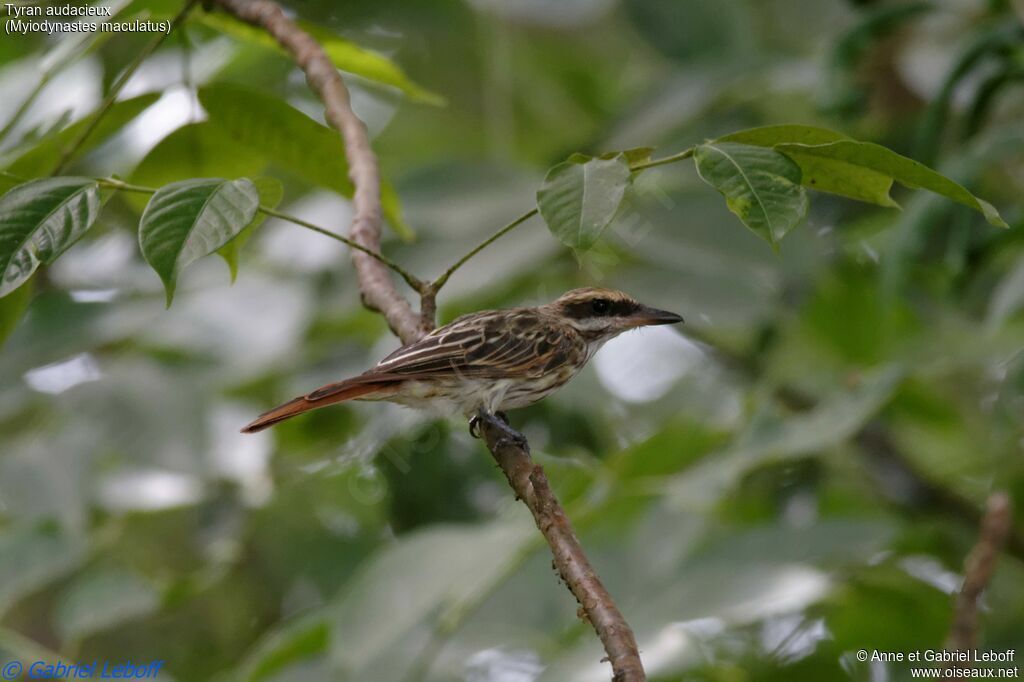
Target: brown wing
{"points": [[491, 345], [321, 397]]}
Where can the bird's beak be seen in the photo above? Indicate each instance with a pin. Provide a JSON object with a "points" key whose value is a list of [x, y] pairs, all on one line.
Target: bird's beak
{"points": [[647, 317]]}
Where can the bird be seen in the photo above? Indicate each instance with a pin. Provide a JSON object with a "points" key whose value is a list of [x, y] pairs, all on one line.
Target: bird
{"points": [[487, 362]]}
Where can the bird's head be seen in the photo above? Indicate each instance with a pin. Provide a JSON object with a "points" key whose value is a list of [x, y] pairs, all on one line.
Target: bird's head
{"points": [[600, 314]]}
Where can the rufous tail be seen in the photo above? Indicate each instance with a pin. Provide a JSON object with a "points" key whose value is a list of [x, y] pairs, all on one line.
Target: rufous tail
{"points": [[321, 397]]}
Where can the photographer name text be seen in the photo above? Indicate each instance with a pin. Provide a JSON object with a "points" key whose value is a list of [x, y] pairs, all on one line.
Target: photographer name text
{"points": [[938, 656], [96, 670], [950, 664]]}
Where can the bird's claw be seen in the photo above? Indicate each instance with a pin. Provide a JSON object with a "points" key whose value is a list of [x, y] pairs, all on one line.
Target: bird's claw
{"points": [[498, 420]]}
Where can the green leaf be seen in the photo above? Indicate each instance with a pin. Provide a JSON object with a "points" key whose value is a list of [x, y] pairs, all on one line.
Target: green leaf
{"points": [[278, 133], [834, 177], [187, 220], [197, 150], [580, 197], [769, 136], [102, 599], [849, 156], [40, 158], [832, 162], [270, 194], [345, 55], [39, 220], [287, 138], [761, 186], [12, 308], [844, 179]]}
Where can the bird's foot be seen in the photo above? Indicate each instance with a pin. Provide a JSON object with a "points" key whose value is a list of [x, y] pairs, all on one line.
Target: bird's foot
{"points": [[499, 420], [474, 425]]}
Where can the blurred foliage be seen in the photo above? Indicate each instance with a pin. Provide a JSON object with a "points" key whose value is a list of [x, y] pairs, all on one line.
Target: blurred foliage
{"points": [[796, 476]]}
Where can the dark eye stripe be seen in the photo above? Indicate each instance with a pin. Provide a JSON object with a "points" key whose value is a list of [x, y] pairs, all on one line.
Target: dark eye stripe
{"points": [[581, 310]]}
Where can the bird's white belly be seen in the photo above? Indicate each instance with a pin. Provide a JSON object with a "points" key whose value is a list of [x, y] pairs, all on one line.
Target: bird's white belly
{"points": [[468, 396]]}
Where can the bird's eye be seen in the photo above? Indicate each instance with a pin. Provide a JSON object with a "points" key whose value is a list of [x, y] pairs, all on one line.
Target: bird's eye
{"points": [[600, 306]]}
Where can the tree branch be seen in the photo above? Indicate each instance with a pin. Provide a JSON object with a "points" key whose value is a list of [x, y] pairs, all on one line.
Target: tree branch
{"points": [[379, 293], [378, 290], [978, 569], [531, 486]]}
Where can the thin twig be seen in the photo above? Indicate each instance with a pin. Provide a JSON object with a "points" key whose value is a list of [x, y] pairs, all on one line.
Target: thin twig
{"points": [[380, 294], [978, 569], [440, 281], [114, 183], [443, 279], [378, 290], [409, 278], [118, 85], [681, 156]]}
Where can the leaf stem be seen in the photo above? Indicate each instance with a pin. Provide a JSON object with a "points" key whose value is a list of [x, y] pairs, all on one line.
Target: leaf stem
{"points": [[419, 286], [440, 281], [410, 279], [681, 156], [118, 85], [114, 183]]}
